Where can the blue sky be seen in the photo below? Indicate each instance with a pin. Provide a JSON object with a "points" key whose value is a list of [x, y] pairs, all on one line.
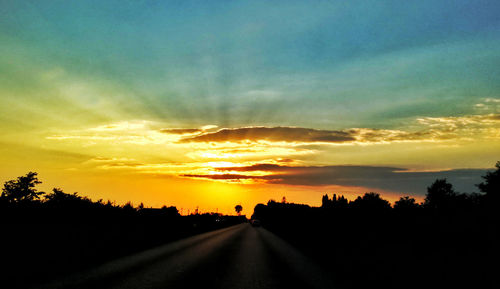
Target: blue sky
{"points": [[228, 59]]}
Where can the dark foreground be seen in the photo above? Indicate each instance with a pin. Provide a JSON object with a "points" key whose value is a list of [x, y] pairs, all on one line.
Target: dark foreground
{"points": [[240, 256]]}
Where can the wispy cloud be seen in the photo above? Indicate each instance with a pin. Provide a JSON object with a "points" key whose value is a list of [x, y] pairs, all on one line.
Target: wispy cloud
{"points": [[488, 105]]}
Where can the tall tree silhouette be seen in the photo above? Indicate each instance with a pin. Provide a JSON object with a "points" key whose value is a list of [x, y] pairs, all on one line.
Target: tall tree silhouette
{"points": [[440, 195], [21, 190]]}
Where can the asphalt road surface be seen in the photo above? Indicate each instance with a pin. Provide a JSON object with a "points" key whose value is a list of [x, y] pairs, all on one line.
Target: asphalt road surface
{"points": [[237, 257]]}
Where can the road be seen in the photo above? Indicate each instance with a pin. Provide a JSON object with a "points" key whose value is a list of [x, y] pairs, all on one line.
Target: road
{"points": [[240, 256]]}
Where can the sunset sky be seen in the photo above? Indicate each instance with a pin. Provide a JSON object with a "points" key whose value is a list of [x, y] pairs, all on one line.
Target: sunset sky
{"points": [[216, 103]]}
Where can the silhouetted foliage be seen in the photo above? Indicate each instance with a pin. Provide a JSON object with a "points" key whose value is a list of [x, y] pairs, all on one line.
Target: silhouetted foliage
{"points": [[60, 199], [491, 184], [337, 203], [440, 195], [371, 202], [436, 240], [46, 235], [367, 243], [170, 211], [238, 209], [406, 203], [21, 190], [128, 207]]}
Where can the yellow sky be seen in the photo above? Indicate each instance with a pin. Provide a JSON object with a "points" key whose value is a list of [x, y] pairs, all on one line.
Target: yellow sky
{"points": [[149, 162]]}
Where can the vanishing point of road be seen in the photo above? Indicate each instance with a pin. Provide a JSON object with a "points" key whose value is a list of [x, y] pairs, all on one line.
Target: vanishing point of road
{"points": [[239, 257]]}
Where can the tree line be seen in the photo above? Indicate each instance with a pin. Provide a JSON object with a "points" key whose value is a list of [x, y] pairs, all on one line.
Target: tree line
{"points": [[441, 197], [46, 235], [447, 241], [21, 195]]}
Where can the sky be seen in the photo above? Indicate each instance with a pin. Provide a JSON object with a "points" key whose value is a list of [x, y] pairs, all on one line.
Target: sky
{"points": [[210, 104]]}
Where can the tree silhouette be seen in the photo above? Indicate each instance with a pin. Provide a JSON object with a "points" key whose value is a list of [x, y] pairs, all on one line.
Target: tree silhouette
{"points": [[238, 209], [491, 184], [440, 195], [170, 211], [371, 201], [21, 190], [128, 207], [325, 201], [406, 203], [60, 198], [334, 203]]}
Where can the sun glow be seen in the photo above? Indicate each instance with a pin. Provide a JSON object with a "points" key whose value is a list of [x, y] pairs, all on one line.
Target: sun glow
{"points": [[222, 164]]}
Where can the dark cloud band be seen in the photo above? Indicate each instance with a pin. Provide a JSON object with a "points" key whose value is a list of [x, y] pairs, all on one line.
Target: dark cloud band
{"points": [[275, 134], [383, 178]]}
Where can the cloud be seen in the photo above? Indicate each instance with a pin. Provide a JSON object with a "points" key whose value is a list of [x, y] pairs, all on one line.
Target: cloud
{"points": [[460, 122], [424, 129], [234, 177], [110, 163], [202, 129], [122, 126], [370, 135], [429, 129], [274, 134], [488, 105], [383, 178], [181, 130], [259, 167]]}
